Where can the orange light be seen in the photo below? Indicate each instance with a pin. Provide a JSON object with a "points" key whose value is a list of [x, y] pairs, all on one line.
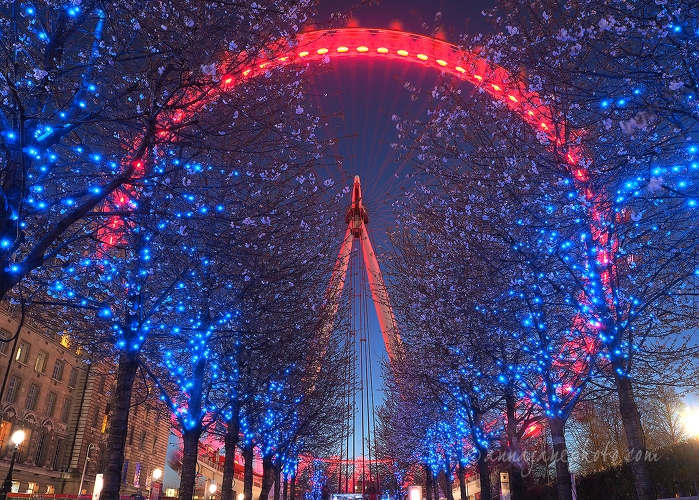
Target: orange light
{"points": [[303, 54], [496, 87], [246, 72], [402, 52], [478, 77], [544, 126], [342, 49], [382, 50], [422, 57], [322, 51], [228, 80], [263, 65], [362, 48], [513, 98], [530, 113], [441, 62], [282, 59]]}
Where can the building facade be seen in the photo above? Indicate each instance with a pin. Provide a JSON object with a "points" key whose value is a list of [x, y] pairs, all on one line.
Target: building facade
{"points": [[62, 404]]}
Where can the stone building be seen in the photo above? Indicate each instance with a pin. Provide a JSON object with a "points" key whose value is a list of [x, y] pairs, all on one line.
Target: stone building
{"points": [[62, 403]]}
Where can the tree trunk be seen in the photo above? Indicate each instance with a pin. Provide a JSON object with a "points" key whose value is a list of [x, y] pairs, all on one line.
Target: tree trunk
{"points": [[635, 439], [247, 474], [446, 483], [484, 474], [267, 477], [428, 483], [190, 439], [461, 474], [277, 480], [564, 485], [435, 486], [230, 444], [517, 491], [292, 489], [285, 492], [119, 425]]}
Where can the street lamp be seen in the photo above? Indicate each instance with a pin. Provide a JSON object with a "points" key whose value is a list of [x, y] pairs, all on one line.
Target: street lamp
{"points": [[212, 490], [82, 478], [155, 477], [16, 439]]}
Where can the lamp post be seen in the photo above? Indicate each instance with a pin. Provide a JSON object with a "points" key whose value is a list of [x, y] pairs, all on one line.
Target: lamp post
{"points": [[212, 490], [90, 447], [155, 477], [16, 439]]}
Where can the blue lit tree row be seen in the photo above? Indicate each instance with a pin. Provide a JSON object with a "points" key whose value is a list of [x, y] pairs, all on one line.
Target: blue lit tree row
{"points": [[166, 221], [585, 268]]}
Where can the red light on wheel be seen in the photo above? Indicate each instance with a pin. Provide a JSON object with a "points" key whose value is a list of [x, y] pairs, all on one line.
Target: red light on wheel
{"points": [[342, 49], [303, 54], [382, 50], [322, 51], [362, 48], [422, 57], [402, 52], [441, 62]]}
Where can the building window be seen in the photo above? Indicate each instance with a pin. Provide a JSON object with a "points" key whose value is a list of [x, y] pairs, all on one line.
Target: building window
{"points": [[96, 418], [41, 360], [50, 404], [137, 476], [155, 442], [13, 388], [142, 444], [32, 396], [125, 473], [39, 450], [58, 370], [4, 335], [65, 411], [100, 385], [73, 377], [23, 352], [131, 434], [56, 454]]}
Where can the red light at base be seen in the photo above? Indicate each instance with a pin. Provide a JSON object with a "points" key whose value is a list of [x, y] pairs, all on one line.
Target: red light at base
{"points": [[441, 62], [362, 48], [382, 50], [422, 57], [402, 52], [322, 50], [342, 49]]}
